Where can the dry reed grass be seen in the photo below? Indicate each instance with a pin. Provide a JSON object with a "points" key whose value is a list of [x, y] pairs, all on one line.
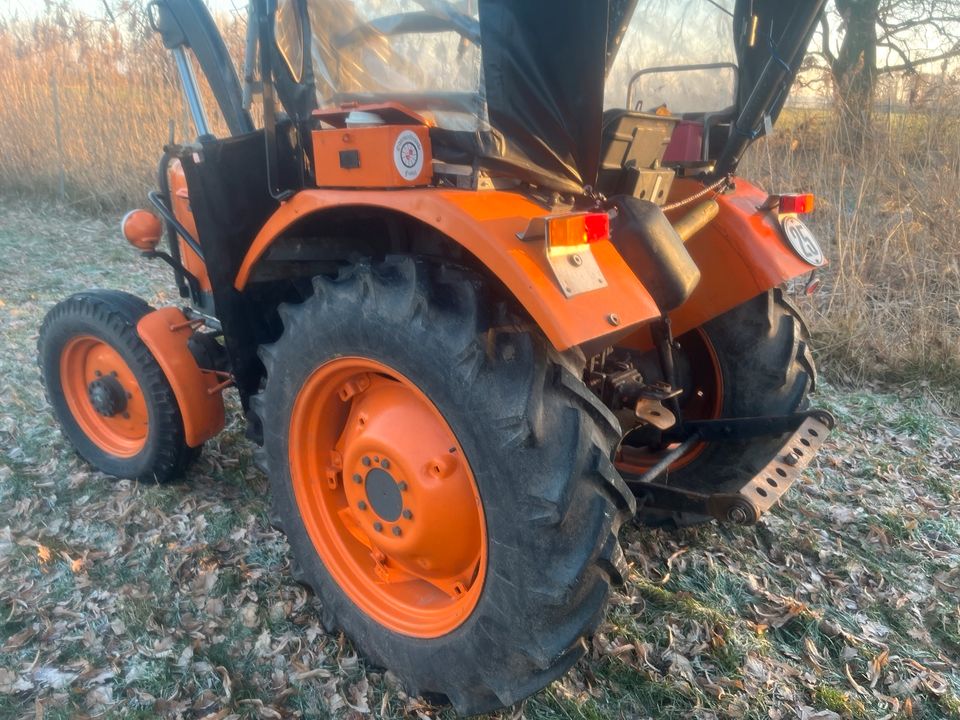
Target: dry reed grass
{"points": [[886, 212], [118, 97], [890, 307]]}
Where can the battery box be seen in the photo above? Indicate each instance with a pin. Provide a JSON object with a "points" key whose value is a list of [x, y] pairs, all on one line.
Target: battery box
{"points": [[393, 154]]}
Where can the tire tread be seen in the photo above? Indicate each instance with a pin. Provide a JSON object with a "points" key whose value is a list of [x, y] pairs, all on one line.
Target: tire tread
{"points": [[567, 548]]}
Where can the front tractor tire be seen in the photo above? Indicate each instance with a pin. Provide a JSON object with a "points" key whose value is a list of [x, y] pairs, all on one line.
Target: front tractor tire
{"points": [[112, 399], [445, 485]]}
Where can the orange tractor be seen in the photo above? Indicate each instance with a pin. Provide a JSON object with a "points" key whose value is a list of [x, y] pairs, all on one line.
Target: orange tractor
{"points": [[478, 310]]}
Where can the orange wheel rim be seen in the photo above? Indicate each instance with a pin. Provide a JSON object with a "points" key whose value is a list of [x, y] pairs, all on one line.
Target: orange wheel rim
{"points": [[387, 497], [103, 395], [704, 403]]}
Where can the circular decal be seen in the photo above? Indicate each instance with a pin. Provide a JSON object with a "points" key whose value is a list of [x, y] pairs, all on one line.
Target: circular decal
{"points": [[408, 155], [802, 240]]}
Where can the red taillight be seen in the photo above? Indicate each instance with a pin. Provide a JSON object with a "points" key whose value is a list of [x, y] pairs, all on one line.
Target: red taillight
{"points": [[796, 204], [596, 226], [576, 229]]}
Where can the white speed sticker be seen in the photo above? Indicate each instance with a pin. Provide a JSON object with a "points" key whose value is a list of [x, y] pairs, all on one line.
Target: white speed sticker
{"points": [[802, 240], [408, 155]]}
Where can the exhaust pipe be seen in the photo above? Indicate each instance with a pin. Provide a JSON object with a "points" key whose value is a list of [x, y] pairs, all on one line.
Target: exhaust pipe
{"points": [[697, 219]]}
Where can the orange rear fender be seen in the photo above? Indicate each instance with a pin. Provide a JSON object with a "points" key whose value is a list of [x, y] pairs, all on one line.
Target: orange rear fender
{"points": [[488, 224], [741, 254]]}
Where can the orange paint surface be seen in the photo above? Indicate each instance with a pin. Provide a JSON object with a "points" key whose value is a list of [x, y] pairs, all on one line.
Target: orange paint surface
{"points": [[487, 224], [387, 497], [181, 210], [165, 332]]}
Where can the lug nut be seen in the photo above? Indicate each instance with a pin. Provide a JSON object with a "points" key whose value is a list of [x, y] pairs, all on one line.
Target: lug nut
{"points": [[396, 531], [357, 479], [402, 485], [385, 463], [407, 514], [362, 505], [365, 460], [378, 526], [737, 515]]}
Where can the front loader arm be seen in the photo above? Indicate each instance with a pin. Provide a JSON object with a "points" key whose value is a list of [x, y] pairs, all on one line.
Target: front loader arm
{"points": [[188, 24]]}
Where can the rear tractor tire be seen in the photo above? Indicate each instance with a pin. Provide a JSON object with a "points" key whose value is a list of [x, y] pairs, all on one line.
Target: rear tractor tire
{"points": [[446, 486], [110, 396], [751, 361]]}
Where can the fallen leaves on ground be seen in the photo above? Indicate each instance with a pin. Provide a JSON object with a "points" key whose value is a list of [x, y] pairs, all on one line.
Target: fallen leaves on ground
{"points": [[128, 600]]}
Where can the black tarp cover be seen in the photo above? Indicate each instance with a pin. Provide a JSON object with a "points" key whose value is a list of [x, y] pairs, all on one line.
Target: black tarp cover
{"points": [[544, 64]]}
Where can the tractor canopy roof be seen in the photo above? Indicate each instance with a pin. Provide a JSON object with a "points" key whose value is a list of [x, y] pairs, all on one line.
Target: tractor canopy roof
{"points": [[521, 87]]}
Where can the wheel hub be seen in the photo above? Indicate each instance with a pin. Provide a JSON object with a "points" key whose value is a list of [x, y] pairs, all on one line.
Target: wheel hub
{"points": [[411, 484], [387, 497], [107, 396]]}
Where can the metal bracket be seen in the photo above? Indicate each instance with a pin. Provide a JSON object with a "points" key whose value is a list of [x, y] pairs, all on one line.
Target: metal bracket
{"points": [[731, 429], [575, 268], [766, 487], [576, 272], [654, 413], [757, 495]]}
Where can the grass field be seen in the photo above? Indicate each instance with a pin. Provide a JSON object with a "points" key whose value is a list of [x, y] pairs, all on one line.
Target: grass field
{"points": [[138, 601]]}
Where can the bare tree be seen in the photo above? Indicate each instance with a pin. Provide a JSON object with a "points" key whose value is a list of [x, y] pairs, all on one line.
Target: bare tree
{"points": [[862, 40]]}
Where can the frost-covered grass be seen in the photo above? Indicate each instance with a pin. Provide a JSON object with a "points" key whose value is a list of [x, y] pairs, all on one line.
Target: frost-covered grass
{"points": [[141, 601]]}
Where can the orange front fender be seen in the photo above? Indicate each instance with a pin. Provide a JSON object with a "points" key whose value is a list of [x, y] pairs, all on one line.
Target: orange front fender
{"points": [[487, 224], [166, 332]]}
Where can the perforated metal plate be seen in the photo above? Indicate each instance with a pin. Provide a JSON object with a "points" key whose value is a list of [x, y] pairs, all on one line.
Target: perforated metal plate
{"points": [[576, 272], [770, 484]]}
